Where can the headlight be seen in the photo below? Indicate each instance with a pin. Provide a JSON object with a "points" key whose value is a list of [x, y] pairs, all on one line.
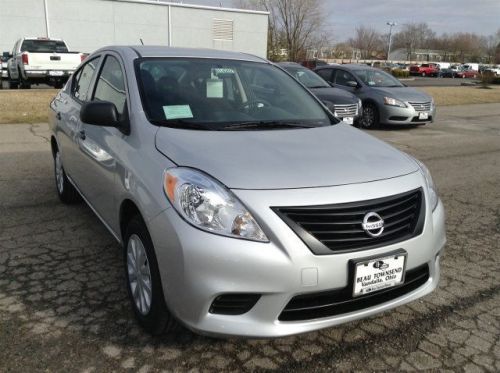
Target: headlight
{"points": [[393, 102], [431, 187], [360, 104], [209, 205]]}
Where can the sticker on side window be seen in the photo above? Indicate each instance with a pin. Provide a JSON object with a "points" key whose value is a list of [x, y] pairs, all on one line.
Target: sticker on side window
{"points": [[177, 111]]}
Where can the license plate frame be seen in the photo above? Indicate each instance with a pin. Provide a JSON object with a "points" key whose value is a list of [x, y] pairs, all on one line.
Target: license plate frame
{"points": [[385, 284], [56, 73], [423, 116], [348, 120]]}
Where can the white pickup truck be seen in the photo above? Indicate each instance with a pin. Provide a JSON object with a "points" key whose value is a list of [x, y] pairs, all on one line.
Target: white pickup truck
{"points": [[41, 61]]}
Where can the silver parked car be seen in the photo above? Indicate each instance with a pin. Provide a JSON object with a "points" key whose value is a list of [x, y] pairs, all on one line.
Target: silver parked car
{"points": [[385, 99], [243, 205]]}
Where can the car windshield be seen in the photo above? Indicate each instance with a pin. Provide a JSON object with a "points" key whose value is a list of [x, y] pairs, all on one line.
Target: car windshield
{"points": [[377, 78], [44, 46], [224, 95], [306, 77]]}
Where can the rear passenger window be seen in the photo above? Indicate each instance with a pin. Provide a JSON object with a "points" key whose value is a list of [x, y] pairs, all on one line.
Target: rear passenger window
{"points": [[111, 84], [83, 79]]}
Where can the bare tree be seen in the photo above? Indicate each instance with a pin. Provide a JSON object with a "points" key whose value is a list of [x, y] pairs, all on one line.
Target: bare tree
{"points": [[367, 40], [294, 25], [414, 36]]}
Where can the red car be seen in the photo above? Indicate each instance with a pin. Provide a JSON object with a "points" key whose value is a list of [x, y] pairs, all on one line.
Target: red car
{"points": [[426, 69], [467, 74]]}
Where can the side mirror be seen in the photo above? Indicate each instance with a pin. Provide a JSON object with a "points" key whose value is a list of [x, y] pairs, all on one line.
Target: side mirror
{"points": [[331, 84], [100, 113], [352, 83]]}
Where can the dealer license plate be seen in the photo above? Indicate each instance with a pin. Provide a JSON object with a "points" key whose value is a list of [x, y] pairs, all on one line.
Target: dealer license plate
{"points": [[348, 120], [56, 73], [379, 273], [423, 115]]}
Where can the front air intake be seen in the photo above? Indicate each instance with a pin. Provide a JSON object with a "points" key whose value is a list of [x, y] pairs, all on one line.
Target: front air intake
{"points": [[233, 304]]}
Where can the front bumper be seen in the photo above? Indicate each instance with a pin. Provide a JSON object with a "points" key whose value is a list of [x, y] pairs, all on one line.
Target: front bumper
{"points": [[404, 116], [196, 266]]}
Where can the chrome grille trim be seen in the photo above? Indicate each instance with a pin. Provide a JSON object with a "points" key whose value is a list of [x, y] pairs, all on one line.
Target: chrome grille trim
{"points": [[343, 111], [421, 106]]}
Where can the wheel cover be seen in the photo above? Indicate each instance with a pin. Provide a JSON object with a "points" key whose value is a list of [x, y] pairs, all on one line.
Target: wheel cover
{"points": [[139, 275], [368, 116], [59, 173]]}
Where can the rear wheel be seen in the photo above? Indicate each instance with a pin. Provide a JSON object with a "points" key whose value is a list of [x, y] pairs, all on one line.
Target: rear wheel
{"points": [[143, 280], [24, 83], [13, 84], [65, 190], [370, 117]]}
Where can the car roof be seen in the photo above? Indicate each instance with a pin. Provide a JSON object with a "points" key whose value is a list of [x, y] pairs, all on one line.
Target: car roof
{"points": [[163, 51]]}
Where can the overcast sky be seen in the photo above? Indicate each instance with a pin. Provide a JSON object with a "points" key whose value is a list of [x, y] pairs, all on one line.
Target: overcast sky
{"points": [[479, 16]]}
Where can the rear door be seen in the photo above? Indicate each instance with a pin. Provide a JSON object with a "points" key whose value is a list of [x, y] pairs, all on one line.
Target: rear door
{"points": [[98, 145], [67, 110]]}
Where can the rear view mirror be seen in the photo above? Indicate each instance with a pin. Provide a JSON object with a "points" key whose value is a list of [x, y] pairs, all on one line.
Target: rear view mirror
{"points": [[99, 113]]}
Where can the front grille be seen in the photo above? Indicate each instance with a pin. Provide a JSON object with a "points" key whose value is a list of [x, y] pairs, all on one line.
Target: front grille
{"points": [[233, 304], [337, 302], [344, 111], [421, 106], [328, 229]]}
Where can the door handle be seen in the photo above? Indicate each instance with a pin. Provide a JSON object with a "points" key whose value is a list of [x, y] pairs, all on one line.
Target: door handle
{"points": [[58, 116], [82, 135]]}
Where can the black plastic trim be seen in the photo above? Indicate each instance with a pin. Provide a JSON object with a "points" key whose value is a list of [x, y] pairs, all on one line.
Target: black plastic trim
{"points": [[318, 248]]}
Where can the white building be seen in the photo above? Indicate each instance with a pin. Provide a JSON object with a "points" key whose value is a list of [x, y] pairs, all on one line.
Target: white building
{"points": [[87, 25]]}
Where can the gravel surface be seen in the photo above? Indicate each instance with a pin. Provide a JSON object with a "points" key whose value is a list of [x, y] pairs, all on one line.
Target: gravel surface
{"points": [[63, 304]]}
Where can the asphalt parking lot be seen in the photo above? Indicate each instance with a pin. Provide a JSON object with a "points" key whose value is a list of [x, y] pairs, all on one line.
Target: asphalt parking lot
{"points": [[63, 304]]}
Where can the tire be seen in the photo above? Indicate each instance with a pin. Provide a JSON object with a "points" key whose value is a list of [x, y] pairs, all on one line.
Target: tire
{"points": [[370, 118], [65, 190], [12, 83], [141, 265], [24, 84]]}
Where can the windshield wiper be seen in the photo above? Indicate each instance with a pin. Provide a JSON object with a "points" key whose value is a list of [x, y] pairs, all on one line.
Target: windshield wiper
{"points": [[319, 86], [265, 124], [182, 124]]}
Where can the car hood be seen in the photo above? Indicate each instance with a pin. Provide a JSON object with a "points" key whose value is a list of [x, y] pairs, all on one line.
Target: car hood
{"points": [[335, 95], [403, 93], [282, 159]]}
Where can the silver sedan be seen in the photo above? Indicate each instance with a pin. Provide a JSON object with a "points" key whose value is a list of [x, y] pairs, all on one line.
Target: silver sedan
{"points": [[244, 207]]}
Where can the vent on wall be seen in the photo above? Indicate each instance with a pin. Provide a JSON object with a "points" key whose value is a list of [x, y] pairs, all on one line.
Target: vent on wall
{"points": [[223, 29]]}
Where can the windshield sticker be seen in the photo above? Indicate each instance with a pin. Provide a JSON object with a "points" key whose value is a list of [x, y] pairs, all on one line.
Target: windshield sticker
{"points": [[216, 71], [177, 112], [215, 88]]}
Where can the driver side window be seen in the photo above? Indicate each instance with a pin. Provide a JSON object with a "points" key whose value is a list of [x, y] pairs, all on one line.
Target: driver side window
{"points": [[342, 77]]}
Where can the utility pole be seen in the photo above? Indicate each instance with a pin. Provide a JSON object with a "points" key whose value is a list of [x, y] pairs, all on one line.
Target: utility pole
{"points": [[391, 25]]}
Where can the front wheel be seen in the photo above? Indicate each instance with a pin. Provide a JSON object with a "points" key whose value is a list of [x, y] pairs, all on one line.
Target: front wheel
{"points": [[65, 190], [370, 117], [143, 280]]}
